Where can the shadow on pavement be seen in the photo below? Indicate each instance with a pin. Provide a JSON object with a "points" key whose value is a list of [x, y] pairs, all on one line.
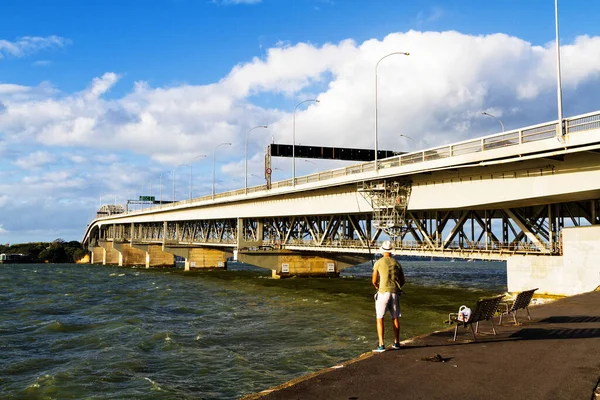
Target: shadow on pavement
{"points": [[558, 333], [567, 319]]}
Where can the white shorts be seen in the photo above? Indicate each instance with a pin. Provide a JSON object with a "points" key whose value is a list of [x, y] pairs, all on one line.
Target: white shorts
{"points": [[387, 301]]}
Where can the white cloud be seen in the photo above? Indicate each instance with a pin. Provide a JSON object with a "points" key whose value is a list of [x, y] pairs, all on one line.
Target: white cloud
{"points": [[2, 230], [42, 63], [433, 14], [77, 159], [10, 89], [28, 45], [35, 160], [100, 86], [121, 145], [438, 92]]}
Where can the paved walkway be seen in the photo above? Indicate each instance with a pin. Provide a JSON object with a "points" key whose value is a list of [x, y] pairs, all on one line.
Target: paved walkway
{"points": [[556, 355]]}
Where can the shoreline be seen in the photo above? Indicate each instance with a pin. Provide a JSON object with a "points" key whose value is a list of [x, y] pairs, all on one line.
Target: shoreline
{"points": [[568, 326], [536, 302]]}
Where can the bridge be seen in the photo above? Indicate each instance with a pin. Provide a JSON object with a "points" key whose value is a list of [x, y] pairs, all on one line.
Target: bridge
{"points": [[528, 196]]}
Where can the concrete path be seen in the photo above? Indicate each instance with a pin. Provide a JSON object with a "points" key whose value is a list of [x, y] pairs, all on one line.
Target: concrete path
{"points": [[556, 355]]}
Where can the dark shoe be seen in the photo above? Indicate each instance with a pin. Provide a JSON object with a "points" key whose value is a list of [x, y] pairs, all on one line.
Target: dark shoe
{"points": [[396, 346], [379, 349]]}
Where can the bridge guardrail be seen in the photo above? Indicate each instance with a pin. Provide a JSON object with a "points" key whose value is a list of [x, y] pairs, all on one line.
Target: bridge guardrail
{"points": [[529, 134], [450, 247]]}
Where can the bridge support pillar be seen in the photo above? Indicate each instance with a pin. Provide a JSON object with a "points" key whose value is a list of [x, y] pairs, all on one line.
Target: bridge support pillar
{"points": [[285, 263], [576, 271], [200, 257], [110, 254], [241, 242], [98, 255], [153, 255], [304, 265], [129, 256]]}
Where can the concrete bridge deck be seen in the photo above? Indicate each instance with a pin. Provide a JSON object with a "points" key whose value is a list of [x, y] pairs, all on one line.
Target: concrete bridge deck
{"points": [[528, 196], [554, 356]]}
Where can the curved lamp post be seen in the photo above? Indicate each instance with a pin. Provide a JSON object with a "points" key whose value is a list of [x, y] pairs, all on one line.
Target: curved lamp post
{"points": [[246, 157], [294, 140], [213, 177], [408, 137], [376, 113], [496, 118], [150, 183], [191, 163], [160, 184], [558, 83], [173, 177]]}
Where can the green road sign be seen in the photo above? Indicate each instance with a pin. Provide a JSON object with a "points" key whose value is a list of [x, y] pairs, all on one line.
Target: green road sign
{"points": [[146, 198]]}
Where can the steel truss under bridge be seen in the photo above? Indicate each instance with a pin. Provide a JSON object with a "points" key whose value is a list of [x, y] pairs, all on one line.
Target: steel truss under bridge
{"points": [[389, 200], [486, 233]]}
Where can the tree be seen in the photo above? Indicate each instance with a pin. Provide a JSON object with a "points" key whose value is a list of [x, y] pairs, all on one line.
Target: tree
{"points": [[58, 251]]}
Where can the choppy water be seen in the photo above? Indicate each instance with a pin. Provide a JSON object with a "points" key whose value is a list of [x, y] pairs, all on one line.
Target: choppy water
{"points": [[99, 332]]}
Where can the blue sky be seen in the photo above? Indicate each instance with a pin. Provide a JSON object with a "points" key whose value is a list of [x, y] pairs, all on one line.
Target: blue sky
{"points": [[99, 99]]}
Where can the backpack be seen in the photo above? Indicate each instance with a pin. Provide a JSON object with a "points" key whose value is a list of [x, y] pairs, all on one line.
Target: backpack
{"points": [[464, 313]]}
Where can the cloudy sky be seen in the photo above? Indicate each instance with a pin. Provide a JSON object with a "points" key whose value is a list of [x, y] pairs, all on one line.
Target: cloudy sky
{"points": [[100, 101]]}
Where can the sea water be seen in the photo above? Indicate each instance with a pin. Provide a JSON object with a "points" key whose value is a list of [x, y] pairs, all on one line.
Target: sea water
{"points": [[101, 332]]}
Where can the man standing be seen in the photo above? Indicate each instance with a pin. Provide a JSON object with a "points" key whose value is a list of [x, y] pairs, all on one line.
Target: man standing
{"points": [[388, 279]]}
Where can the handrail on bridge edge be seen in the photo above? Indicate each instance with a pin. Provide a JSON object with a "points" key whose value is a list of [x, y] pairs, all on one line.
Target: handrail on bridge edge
{"points": [[500, 140]]}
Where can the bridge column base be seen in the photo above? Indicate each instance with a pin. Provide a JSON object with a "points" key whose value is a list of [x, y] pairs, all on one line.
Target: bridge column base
{"points": [[149, 255], [97, 255], [129, 256], [305, 266], [286, 264], [110, 254], [200, 257], [576, 271]]}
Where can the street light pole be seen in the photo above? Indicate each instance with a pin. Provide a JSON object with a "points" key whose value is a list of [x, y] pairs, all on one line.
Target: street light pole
{"points": [[161, 189], [246, 156], [173, 172], [213, 174], [496, 118], [558, 79], [191, 163], [376, 113]]}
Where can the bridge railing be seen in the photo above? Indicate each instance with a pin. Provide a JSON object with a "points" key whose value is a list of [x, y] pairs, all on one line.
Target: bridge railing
{"points": [[450, 247], [583, 122], [516, 137]]}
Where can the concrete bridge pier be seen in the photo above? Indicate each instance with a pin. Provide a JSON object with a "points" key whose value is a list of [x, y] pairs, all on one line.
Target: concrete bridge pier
{"points": [[129, 256], [576, 271], [97, 255], [154, 255], [200, 257], [285, 263], [109, 254]]}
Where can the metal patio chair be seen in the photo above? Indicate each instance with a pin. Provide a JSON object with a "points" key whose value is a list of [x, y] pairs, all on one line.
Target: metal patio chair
{"points": [[520, 302], [483, 311]]}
